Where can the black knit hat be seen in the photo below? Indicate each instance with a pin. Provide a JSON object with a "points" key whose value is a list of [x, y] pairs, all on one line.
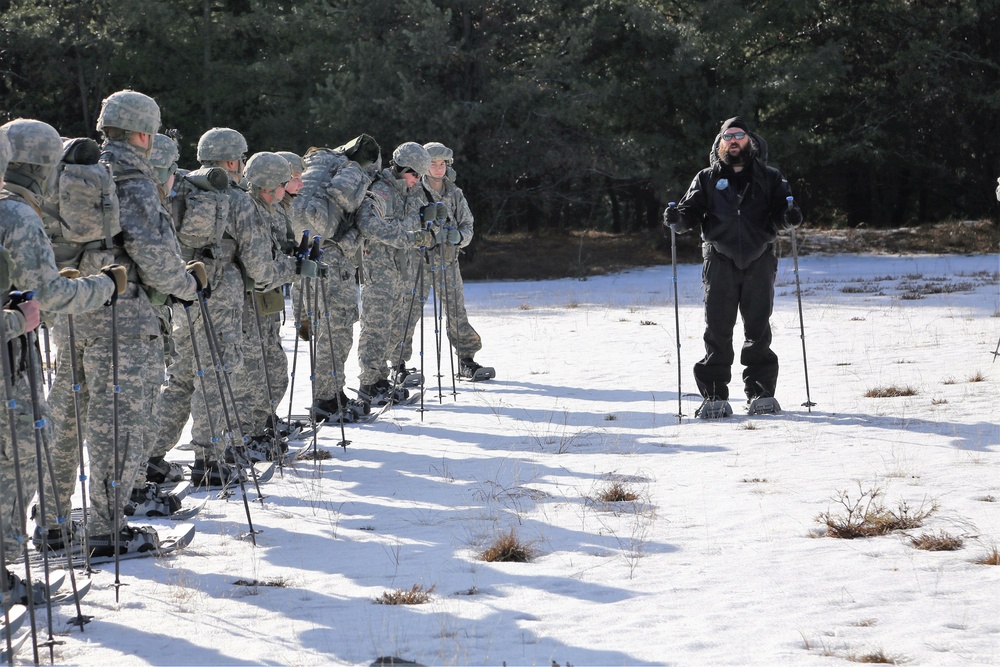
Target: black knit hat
{"points": [[735, 121]]}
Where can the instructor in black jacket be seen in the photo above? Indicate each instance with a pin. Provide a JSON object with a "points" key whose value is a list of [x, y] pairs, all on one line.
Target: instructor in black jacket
{"points": [[739, 203]]}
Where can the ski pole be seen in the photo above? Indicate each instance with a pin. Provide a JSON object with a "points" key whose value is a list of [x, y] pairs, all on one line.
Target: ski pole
{"points": [[48, 356], [446, 269], [300, 251], [996, 353], [798, 295], [21, 515], [315, 253], [84, 489], [677, 314], [38, 422]]}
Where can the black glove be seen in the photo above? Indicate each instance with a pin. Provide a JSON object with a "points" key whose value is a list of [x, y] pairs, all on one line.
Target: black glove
{"points": [[305, 267], [793, 217], [428, 213], [671, 216]]}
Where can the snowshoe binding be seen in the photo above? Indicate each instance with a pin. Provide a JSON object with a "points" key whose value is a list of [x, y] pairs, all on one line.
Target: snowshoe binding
{"points": [[714, 409], [469, 370]]}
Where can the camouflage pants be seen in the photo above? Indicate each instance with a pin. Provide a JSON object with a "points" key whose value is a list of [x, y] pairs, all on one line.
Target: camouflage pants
{"points": [[382, 310], [440, 263], [94, 371], [183, 395], [339, 292], [13, 509], [250, 384]]}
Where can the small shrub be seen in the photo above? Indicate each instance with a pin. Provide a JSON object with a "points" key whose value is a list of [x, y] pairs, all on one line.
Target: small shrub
{"points": [[508, 548], [416, 595], [937, 542], [992, 557], [868, 517], [890, 392], [616, 492]]}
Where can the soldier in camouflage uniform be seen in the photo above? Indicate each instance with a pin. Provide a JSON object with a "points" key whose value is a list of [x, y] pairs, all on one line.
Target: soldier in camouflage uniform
{"points": [[390, 220], [337, 180], [455, 234], [238, 253], [33, 150], [266, 175], [148, 251]]}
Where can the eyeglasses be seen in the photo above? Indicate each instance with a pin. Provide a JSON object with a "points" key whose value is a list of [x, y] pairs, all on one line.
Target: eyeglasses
{"points": [[729, 136]]}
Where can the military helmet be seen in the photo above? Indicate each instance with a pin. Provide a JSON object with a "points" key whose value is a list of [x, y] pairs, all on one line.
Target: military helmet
{"points": [[439, 151], [221, 144], [294, 161], [129, 110], [33, 142], [164, 153], [267, 170], [4, 153], [412, 155]]}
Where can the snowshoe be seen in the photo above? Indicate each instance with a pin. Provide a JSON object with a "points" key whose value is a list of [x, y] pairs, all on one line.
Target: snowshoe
{"points": [[468, 369], [382, 393], [161, 471], [42, 590], [214, 474], [131, 539], [714, 409], [763, 405], [407, 377], [259, 448], [154, 500]]}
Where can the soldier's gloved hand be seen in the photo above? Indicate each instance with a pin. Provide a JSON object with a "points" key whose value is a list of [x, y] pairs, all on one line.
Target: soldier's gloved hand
{"points": [[422, 238], [69, 272], [306, 267], [793, 217], [119, 274], [428, 213], [452, 236], [197, 269], [671, 217], [31, 310]]}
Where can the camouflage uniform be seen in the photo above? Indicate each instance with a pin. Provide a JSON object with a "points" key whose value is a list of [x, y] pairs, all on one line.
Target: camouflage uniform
{"points": [[149, 252], [328, 216], [389, 212], [23, 234]]}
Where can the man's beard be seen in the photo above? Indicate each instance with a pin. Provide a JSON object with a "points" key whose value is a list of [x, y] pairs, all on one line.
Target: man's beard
{"points": [[741, 159]]}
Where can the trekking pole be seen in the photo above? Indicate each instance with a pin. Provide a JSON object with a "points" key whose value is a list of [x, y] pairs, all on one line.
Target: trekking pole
{"points": [[38, 422], [418, 287], [315, 253], [5, 366], [996, 353], [798, 295], [437, 307], [48, 356], [344, 442], [222, 377], [449, 306], [84, 493], [300, 251], [200, 372], [119, 462], [677, 314]]}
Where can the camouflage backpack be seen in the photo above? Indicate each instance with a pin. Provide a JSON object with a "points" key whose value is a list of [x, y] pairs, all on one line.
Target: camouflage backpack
{"points": [[85, 213], [200, 211]]}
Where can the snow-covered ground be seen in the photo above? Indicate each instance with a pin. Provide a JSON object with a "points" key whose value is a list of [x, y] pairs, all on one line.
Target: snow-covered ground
{"points": [[720, 560]]}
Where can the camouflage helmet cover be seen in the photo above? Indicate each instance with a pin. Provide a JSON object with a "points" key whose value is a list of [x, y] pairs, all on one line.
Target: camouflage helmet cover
{"points": [[129, 110], [221, 144], [267, 170], [4, 153], [33, 142], [412, 155], [294, 161], [439, 151], [165, 152]]}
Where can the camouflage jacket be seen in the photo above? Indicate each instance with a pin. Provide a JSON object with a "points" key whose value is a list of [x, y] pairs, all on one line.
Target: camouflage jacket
{"points": [[459, 214], [254, 246], [148, 250], [23, 234], [390, 210]]}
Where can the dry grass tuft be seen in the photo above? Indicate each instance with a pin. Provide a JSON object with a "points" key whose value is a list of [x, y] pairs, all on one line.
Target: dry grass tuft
{"points": [[874, 658], [755, 480], [617, 492], [890, 392], [750, 426], [416, 595], [310, 454], [524, 306], [277, 582], [508, 548], [937, 542], [992, 557], [647, 323], [868, 517], [939, 401], [610, 418], [987, 499], [978, 377]]}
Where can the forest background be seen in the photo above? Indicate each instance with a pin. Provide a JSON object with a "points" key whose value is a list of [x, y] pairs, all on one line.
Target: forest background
{"points": [[564, 116]]}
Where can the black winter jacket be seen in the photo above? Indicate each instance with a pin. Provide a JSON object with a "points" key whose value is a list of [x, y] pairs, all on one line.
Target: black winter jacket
{"points": [[741, 228]]}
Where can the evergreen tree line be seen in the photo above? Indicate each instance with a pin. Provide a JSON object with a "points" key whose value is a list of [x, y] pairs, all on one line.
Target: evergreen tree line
{"points": [[589, 114]]}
